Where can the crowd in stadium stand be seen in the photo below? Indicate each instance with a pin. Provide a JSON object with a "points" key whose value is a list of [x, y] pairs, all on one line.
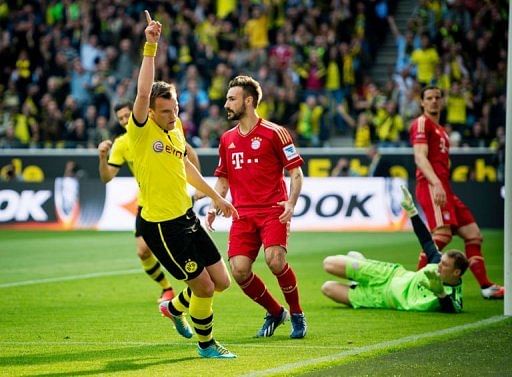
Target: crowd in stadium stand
{"points": [[66, 63]]}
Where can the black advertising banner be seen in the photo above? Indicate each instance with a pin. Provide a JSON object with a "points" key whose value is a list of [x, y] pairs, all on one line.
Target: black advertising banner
{"points": [[325, 204], [467, 165], [62, 190], [60, 204]]}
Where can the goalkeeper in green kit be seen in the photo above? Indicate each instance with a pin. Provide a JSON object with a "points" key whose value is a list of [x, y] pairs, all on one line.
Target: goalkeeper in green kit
{"points": [[376, 284]]}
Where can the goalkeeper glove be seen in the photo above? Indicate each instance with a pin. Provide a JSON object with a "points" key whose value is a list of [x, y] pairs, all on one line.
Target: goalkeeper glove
{"points": [[434, 283], [407, 203]]}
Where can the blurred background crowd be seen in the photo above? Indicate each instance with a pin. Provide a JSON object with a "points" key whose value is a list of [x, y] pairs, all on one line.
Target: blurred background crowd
{"points": [[66, 63]]}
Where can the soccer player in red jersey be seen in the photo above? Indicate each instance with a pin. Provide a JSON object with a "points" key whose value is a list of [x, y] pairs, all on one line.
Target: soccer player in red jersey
{"points": [[252, 158], [444, 211]]}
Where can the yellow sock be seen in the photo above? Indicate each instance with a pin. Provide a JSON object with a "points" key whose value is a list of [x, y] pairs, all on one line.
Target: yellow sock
{"points": [[181, 302], [153, 268], [201, 314]]}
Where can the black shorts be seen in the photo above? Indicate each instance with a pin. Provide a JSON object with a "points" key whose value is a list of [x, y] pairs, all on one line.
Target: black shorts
{"points": [[181, 245], [137, 223]]}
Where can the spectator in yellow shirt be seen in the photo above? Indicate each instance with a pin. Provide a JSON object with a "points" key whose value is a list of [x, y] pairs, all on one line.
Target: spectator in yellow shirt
{"points": [[457, 104], [256, 28], [308, 125], [389, 125], [426, 59], [363, 131]]}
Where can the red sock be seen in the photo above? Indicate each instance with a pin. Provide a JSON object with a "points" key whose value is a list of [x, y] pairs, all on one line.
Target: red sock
{"points": [[257, 291], [476, 262], [422, 261], [440, 243], [288, 283]]}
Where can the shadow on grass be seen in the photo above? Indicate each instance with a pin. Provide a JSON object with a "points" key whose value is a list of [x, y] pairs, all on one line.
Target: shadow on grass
{"points": [[123, 361], [115, 366]]}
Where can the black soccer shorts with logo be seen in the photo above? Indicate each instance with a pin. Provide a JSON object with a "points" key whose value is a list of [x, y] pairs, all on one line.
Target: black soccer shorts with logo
{"points": [[181, 245]]}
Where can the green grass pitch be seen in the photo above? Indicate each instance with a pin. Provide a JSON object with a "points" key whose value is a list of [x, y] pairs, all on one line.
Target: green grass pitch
{"points": [[79, 304]]}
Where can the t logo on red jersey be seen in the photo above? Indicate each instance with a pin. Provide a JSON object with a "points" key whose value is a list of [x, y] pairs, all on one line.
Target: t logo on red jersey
{"points": [[237, 159]]}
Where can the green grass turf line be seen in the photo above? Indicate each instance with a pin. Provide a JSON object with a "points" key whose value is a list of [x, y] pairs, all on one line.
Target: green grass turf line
{"points": [[110, 325], [483, 352]]}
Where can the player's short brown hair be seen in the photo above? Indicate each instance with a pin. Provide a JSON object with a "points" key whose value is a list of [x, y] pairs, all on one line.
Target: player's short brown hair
{"points": [[161, 89], [250, 87], [459, 260], [121, 105], [430, 87]]}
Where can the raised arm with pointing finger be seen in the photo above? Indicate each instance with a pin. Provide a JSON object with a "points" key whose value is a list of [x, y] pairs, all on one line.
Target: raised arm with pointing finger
{"points": [[147, 69]]}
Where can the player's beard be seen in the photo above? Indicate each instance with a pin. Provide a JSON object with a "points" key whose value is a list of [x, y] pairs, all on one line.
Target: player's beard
{"points": [[236, 115]]}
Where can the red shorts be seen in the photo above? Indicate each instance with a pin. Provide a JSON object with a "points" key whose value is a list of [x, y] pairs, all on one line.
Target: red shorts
{"points": [[250, 231], [454, 213]]}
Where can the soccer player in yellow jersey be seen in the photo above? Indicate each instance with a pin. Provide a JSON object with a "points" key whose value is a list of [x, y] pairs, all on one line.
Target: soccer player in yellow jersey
{"points": [[109, 166], [168, 224]]}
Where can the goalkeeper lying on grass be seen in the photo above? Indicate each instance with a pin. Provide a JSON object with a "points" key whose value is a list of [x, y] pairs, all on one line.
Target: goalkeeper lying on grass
{"points": [[376, 284]]}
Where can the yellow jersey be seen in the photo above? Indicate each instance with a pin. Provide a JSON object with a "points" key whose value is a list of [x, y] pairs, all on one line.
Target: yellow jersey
{"points": [[120, 155], [456, 108], [333, 76], [362, 136], [256, 30], [426, 61], [159, 162]]}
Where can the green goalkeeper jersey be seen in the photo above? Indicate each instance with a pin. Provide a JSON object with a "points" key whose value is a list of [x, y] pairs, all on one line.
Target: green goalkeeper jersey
{"points": [[391, 286], [404, 292]]}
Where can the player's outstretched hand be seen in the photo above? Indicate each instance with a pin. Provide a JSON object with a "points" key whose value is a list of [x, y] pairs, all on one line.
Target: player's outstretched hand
{"points": [[220, 207], [153, 30], [226, 208], [408, 203], [434, 283]]}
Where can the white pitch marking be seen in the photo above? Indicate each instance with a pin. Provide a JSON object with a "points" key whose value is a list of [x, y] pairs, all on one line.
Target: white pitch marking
{"points": [[68, 278], [374, 347], [283, 368]]}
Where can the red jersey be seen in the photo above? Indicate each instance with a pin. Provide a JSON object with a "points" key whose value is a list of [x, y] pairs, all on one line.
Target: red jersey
{"points": [[254, 163], [425, 131]]}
